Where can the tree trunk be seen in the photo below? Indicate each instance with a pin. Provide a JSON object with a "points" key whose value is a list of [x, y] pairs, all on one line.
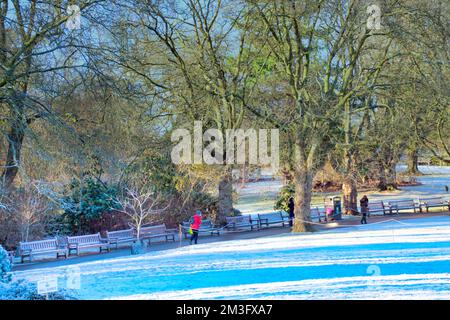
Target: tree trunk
{"points": [[350, 194], [303, 179], [382, 182], [391, 176], [412, 162], [349, 186], [225, 197], [15, 140]]}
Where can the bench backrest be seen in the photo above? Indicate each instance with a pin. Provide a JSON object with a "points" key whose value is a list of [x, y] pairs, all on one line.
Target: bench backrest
{"points": [[376, 205], [315, 213], [40, 245], [238, 219], [206, 224], [272, 216], [403, 203], [85, 240], [158, 229], [438, 200], [120, 234]]}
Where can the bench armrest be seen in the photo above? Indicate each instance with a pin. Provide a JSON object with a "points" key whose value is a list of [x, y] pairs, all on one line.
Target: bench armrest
{"points": [[24, 251], [72, 245], [104, 240]]}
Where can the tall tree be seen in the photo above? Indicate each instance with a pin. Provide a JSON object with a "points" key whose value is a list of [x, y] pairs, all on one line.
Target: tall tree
{"points": [[317, 46], [204, 70], [38, 39]]}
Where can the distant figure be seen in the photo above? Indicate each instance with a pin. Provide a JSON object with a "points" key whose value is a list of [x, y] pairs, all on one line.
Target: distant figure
{"points": [[446, 188], [195, 226], [364, 203], [291, 211]]}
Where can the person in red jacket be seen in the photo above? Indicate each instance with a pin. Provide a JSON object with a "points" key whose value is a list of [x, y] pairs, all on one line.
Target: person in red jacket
{"points": [[195, 226]]}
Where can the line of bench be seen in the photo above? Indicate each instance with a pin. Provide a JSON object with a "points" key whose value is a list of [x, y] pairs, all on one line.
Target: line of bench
{"points": [[396, 206], [65, 246]]}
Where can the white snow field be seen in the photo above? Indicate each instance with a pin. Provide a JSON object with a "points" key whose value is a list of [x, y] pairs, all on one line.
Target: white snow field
{"points": [[390, 260]]}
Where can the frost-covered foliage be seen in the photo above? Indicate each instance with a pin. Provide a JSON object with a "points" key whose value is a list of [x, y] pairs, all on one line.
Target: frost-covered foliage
{"points": [[22, 289], [5, 266]]}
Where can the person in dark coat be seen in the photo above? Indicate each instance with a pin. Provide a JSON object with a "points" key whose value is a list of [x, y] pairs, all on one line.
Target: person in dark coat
{"points": [[291, 211], [364, 203]]}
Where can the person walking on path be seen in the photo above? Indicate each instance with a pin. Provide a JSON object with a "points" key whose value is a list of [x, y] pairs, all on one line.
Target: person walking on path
{"points": [[364, 203], [195, 226], [291, 211]]}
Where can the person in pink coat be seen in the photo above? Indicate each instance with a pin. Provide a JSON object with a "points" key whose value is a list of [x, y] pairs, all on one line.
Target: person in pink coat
{"points": [[195, 226]]}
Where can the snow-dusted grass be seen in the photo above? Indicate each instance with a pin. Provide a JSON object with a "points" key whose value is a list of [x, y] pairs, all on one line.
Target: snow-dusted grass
{"points": [[390, 260]]}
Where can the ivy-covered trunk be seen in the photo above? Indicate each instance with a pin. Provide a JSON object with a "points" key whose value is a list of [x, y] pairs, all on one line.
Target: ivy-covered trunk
{"points": [[350, 195], [15, 139], [303, 178], [412, 161], [225, 197]]}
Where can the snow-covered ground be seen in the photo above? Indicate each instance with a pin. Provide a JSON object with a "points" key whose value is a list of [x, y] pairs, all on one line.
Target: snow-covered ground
{"points": [[389, 260]]}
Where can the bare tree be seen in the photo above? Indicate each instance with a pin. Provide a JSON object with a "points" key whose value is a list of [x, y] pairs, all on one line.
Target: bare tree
{"points": [[141, 208], [34, 43], [198, 54], [31, 211]]}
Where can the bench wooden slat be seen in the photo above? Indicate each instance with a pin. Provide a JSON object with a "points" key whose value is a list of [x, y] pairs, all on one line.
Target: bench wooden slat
{"points": [[121, 236], [402, 204], [87, 241], [206, 226], [244, 221], [377, 206], [433, 203], [279, 217], [33, 248], [157, 231]]}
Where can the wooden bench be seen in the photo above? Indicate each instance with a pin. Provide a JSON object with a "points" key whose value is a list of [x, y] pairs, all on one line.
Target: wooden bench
{"points": [[375, 207], [75, 243], [397, 205], [316, 215], [206, 227], [242, 222], [33, 248], [268, 219], [121, 236], [433, 203], [157, 231]]}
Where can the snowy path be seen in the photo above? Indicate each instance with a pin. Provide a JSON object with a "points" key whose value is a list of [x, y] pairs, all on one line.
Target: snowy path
{"points": [[408, 260]]}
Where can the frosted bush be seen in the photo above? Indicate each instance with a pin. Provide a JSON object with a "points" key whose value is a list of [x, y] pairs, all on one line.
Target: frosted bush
{"points": [[21, 289], [5, 266]]}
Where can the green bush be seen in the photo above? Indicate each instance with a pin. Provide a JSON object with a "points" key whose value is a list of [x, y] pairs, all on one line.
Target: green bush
{"points": [[282, 202], [86, 201]]}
